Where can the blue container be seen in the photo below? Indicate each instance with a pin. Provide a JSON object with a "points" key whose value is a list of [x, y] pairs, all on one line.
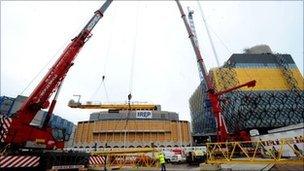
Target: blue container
{"points": [[64, 123], [6, 105], [55, 121], [69, 128]]}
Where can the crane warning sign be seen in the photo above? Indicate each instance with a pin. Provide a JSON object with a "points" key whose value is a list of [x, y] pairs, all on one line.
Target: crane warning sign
{"points": [[144, 114]]}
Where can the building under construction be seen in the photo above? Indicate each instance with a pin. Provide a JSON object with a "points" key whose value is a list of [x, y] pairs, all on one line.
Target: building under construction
{"points": [[276, 100], [132, 128]]}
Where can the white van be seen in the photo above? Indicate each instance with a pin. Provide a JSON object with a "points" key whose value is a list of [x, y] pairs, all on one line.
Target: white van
{"points": [[178, 158], [168, 155]]}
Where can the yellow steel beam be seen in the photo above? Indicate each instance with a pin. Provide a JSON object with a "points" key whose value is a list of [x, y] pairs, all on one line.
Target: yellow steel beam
{"points": [[113, 106], [124, 151]]}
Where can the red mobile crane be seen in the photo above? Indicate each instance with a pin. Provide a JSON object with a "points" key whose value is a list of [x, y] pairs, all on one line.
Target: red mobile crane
{"points": [[222, 132], [13, 132], [18, 130]]}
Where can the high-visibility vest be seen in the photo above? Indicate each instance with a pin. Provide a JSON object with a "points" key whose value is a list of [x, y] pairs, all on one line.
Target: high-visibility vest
{"points": [[161, 158]]}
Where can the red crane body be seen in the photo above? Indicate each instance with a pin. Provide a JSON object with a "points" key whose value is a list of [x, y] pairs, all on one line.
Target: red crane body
{"points": [[20, 131], [222, 132]]}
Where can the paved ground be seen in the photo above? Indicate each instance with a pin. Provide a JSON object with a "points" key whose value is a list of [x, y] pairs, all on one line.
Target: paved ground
{"points": [[245, 166], [226, 167], [288, 167], [169, 167]]}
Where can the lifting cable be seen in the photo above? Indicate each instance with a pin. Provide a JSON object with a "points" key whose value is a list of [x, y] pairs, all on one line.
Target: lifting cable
{"points": [[105, 88], [208, 33], [43, 68], [133, 54], [211, 41], [121, 119], [208, 27], [103, 83], [109, 43], [131, 75], [61, 49]]}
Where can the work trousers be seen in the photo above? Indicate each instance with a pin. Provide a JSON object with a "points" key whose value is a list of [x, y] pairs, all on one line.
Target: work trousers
{"points": [[163, 167]]}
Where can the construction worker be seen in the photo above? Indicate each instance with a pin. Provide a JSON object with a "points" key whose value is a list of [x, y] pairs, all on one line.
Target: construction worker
{"points": [[161, 158]]}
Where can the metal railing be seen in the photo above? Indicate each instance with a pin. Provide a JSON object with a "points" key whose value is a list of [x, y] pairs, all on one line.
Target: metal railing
{"points": [[255, 151], [122, 158]]}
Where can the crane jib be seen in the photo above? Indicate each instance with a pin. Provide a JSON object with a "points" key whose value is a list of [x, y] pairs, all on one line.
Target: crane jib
{"points": [[93, 22], [50, 83], [98, 15], [44, 90]]}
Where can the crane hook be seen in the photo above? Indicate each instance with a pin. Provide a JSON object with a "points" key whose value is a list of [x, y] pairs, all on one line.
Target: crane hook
{"points": [[129, 96]]}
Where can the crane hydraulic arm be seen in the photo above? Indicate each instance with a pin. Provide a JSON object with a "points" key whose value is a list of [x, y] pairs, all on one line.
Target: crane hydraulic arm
{"points": [[39, 98], [222, 132], [197, 52]]}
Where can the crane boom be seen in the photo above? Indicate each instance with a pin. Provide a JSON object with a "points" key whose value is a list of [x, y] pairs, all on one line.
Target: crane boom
{"points": [[197, 52], [49, 84], [39, 98], [222, 132]]}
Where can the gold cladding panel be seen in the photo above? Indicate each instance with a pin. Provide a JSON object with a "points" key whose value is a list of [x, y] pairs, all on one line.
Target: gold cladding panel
{"points": [[169, 131], [267, 78]]}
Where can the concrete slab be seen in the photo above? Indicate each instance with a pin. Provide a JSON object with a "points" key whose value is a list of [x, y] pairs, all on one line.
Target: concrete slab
{"points": [[288, 166], [246, 166], [205, 166]]}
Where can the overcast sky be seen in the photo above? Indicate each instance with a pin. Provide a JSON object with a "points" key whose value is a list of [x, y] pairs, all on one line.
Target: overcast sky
{"points": [[165, 70]]}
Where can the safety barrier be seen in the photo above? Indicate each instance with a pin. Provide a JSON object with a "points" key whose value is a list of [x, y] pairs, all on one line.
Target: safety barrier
{"points": [[256, 152], [19, 161], [123, 158]]}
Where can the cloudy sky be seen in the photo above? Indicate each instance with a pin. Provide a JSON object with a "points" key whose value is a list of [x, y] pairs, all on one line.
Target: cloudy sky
{"points": [[151, 33]]}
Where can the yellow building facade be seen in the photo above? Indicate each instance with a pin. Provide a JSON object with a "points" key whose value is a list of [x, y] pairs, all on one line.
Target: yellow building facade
{"points": [[276, 100], [266, 78], [132, 133]]}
